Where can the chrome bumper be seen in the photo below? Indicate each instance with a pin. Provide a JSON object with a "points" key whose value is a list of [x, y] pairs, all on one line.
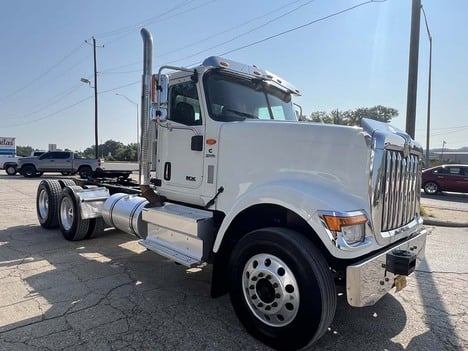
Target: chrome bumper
{"points": [[367, 281]]}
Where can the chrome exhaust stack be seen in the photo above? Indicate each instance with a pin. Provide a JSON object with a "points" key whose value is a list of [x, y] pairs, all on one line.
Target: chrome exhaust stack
{"points": [[148, 126]]}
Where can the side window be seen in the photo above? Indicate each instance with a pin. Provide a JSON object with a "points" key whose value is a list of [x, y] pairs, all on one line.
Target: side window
{"points": [[63, 155], [184, 106], [46, 156], [454, 170]]}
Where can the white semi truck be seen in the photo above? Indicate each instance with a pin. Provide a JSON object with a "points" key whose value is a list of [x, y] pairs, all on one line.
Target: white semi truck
{"points": [[287, 212]]}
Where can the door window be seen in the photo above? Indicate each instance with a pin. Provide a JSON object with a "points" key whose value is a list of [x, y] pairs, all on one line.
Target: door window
{"points": [[184, 104]]}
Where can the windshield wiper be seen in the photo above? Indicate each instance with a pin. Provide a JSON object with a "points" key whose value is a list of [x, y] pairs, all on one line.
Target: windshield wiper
{"points": [[240, 113]]}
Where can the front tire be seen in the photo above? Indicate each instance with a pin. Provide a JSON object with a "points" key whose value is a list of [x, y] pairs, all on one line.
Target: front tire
{"points": [[281, 288], [431, 188], [10, 170]]}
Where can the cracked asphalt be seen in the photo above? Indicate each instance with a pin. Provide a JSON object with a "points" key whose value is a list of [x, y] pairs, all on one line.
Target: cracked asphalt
{"points": [[109, 293]]}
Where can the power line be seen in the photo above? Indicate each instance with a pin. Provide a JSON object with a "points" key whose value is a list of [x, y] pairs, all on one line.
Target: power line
{"points": [[69, 106], [50, 114], [245, 33], [302, 26], [42, 74], [231, 29], [110, 70], [159, 17]]}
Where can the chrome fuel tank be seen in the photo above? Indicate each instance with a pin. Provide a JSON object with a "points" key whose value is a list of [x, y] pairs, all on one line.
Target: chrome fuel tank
{"points": [[123, 212]]}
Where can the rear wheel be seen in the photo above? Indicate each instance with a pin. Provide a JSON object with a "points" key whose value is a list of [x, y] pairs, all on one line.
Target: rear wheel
{"points": [[72, 226], [96, 227], [85, 172], [431, 188], [281, 288], [28, 171], [10, 170], [47, 199]]}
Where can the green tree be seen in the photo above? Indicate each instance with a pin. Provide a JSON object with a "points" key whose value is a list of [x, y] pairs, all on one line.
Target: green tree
{"points": [[354, 117], [24, 150], [113, 150]]}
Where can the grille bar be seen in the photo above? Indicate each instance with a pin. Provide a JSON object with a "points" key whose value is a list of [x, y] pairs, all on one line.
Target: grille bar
{"points": [[401, 185]]}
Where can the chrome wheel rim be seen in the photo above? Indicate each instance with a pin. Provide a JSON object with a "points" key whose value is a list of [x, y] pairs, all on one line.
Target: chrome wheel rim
{"points": [[431, 188], [43, 204], [271, 290], [66, 213]]}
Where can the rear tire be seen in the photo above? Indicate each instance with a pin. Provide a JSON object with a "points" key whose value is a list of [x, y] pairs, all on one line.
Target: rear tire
{"points": [[28, 171], [72, 226], [281, 288], [96, 227], [85, 172], [67, 182], [47, 198], [431, 188]]}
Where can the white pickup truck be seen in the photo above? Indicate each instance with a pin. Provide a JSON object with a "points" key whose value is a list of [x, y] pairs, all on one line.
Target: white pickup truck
{"points": [[65, 162]]}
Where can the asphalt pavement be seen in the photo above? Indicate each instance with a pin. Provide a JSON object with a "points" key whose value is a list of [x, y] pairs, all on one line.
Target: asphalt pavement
{"points": [[109, 293]]}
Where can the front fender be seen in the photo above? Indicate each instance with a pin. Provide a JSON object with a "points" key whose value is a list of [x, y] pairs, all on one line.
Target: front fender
{"points": [[303, 197]]}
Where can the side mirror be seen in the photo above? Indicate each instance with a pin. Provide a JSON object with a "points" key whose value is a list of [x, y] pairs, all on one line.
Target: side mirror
{"points": [[162, 90], [159, 97]]}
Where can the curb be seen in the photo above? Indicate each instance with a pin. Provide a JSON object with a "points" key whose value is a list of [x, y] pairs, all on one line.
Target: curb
{"points": [[442, 223]]}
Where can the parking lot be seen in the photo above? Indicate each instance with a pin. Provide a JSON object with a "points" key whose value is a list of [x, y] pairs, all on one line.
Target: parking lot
{"points": [[109, 293]]}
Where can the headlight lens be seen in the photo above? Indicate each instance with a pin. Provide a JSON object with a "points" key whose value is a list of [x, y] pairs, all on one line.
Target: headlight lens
{"points": [[349, 227], [353, 234]]}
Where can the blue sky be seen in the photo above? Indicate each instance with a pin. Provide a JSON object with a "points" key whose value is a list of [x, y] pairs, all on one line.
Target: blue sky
{"points": [[356, 59]]}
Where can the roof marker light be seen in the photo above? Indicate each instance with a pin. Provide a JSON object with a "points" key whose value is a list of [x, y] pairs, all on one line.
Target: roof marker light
{"points": [[223, 63]]}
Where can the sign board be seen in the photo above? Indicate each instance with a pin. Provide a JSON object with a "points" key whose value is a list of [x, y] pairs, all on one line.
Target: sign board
{"points": [[7, 146]]}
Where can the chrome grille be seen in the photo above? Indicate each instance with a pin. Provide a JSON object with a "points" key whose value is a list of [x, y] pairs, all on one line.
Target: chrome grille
{"points": [[401, 190]]}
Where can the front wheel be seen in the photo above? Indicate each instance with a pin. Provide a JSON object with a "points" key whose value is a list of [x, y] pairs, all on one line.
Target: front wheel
{"points": [[431, 188], [281, 288], [10, 170]]}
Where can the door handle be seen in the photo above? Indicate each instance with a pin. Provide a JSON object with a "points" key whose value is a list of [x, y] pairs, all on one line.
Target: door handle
{"points": [[167, 171]]}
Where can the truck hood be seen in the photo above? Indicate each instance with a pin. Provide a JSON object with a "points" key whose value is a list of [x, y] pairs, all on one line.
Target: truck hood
{"points": [[324, 158]]}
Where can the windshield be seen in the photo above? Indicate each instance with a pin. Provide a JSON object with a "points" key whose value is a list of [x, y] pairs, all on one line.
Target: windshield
{"points": [[234, 98]]}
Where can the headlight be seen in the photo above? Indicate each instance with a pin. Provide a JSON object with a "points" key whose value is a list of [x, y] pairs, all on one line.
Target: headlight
{"points": [[353, 234], [347, 226]]}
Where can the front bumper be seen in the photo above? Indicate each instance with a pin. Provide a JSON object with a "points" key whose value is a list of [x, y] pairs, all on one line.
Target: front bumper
{"points": [[368, 280]]}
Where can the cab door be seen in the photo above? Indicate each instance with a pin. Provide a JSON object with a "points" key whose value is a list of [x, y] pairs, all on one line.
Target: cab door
{"points": [[181, 141]]}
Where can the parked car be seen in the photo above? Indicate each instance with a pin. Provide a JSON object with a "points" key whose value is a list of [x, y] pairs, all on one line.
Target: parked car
{"points": [[9, 163], [452, 177]]}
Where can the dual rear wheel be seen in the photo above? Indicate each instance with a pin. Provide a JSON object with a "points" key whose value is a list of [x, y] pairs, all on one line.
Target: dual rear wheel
{"points": [[57, 206]]}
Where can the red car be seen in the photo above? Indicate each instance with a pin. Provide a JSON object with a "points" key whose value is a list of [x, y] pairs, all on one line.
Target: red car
{"points": [[445, 178]]}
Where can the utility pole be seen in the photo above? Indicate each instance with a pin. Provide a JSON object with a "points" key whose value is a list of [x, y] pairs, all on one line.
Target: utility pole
{"points": [[95, 101], [413, 68], [428, 88]]}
